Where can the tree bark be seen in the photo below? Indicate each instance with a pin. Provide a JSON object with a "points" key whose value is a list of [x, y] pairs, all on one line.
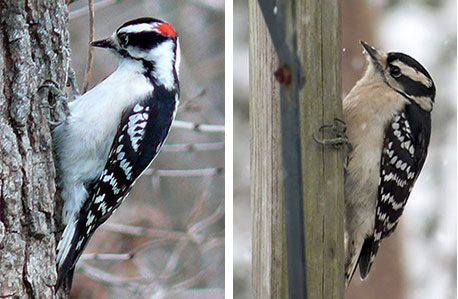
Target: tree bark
{"points": [[34, 47]]}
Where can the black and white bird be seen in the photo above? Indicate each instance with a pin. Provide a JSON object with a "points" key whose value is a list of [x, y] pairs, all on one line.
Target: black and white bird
{"points": [[115, 131], [388, 117]]}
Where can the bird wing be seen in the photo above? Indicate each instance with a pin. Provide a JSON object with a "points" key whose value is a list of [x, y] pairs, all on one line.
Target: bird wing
{"points": [[404, 153]]}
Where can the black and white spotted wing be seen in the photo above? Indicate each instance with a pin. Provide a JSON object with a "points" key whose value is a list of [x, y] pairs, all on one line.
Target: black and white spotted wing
{"points": [[404, 153], [140, 136]]}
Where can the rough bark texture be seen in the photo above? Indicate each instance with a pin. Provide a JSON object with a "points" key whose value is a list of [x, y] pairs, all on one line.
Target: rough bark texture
{"points": [[34, 47]]}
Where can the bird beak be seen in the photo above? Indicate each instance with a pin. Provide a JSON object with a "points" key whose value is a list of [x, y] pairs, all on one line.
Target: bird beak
{"points": [[378, 57], [104, 43]]}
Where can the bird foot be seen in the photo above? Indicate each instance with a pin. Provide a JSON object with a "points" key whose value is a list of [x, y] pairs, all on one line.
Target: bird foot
{"points": [[71, 82], [59, 100], [339, 128]]}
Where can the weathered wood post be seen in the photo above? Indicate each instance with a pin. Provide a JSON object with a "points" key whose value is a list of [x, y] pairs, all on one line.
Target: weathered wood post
{"points": [[311, 30]]}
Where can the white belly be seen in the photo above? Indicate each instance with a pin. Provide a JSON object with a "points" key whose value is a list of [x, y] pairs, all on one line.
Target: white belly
{"points": [[84, 140]]}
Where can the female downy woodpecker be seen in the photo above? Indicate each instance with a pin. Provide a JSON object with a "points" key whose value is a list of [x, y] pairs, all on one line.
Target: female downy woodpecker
{"points": [[388, 114], [115, 131]]}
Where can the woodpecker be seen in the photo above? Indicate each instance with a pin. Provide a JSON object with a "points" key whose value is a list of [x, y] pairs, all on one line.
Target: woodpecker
{"points": [[388, 117], [114, 131]]}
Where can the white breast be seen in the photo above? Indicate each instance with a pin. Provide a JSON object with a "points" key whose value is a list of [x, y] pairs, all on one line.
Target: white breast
{"points": [[366, 115], [84, 140]]}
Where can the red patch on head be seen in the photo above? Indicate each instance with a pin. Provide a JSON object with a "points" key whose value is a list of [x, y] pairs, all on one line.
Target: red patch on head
{"points": [[166, 29]]}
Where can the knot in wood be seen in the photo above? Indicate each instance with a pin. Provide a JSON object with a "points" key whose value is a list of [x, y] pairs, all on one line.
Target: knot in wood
{"points": [[283, 74]]}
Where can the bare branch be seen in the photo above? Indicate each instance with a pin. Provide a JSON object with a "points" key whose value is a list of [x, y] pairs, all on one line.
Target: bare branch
{"points": [[200, 202], [90, 59], [108, 278], [193, 147], [197, 228], [143, 231], [192, 281], [106, 256], [186, 125], [212, 243], [189, 105], [184, 172], [84, 10], [210, 4], [125, 256], [173, 259]]}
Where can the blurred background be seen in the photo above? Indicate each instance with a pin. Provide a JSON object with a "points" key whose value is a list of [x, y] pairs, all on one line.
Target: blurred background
{"points": [[419, 260], [167, 238]]}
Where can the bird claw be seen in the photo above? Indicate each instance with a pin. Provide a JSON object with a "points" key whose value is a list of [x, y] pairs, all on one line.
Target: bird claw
{"points": [[71, 82], [60, 102], [340, 129]]}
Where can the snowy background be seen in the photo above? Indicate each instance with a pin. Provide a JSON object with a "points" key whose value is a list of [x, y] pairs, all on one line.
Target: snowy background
{"points": [[427, 31], [424, 246]]}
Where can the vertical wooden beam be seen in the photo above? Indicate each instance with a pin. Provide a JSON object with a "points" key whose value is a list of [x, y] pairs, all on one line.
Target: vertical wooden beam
{"points": [[317, 33], [269, 265], [319, 51]]}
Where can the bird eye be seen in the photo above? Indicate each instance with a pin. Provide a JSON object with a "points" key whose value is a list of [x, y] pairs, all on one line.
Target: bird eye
{"points": [[123, 40], [395, 71]]}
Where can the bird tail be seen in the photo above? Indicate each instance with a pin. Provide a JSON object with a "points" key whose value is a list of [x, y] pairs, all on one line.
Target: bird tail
{"points": [[367, 256], [364, 258], [350, 267], [71, 246]]}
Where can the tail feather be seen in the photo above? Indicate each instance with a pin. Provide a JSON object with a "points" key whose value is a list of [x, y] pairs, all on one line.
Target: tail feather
{"points": [[70, 247], [363, 257], [65, 242], [350, 268], [367, 256]]}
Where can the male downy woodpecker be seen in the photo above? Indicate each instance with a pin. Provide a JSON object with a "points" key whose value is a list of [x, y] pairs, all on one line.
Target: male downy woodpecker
{"points": [[115, 131], [388, 114]]}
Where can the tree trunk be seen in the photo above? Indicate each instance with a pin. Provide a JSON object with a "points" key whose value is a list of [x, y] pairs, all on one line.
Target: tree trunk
{"points": [[34, 47]]}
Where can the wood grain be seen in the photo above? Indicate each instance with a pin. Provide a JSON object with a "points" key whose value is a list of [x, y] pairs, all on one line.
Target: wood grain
{"points": [[318, 37]]}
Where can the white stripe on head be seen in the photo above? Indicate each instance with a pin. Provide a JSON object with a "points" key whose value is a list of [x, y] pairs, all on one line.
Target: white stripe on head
{"points": [[413, 74], [137, 28], [424, 102], [178, 58]]}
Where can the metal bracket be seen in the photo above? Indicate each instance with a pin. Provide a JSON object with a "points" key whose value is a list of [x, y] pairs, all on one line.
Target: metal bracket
{"points": [[290, 76]]}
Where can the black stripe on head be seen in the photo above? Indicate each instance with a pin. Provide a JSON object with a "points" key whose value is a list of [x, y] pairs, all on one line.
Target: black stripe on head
{"points": [[415, 88], [145, 40], [410, 86]]}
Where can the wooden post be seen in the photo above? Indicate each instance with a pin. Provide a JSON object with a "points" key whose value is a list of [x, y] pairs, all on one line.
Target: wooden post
{"points": [[269, 271], [318, 40]]}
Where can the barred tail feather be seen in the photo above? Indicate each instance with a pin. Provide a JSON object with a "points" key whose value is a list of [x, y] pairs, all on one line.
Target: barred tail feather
{"points": [[70, 248], [366, 257], [65, 242], [64, 250]]}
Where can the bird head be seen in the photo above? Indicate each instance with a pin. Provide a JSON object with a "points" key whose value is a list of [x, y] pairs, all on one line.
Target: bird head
{"points": [[150, 41], [403, 74]]}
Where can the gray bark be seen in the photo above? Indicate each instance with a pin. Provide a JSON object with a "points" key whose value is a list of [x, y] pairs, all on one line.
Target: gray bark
{"points": [[34, 47]]}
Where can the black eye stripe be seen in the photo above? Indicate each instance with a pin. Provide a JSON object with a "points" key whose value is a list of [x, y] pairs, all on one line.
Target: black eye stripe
{"points": [[415, 88], [408, 61], [411, 87], [144, 40]]}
